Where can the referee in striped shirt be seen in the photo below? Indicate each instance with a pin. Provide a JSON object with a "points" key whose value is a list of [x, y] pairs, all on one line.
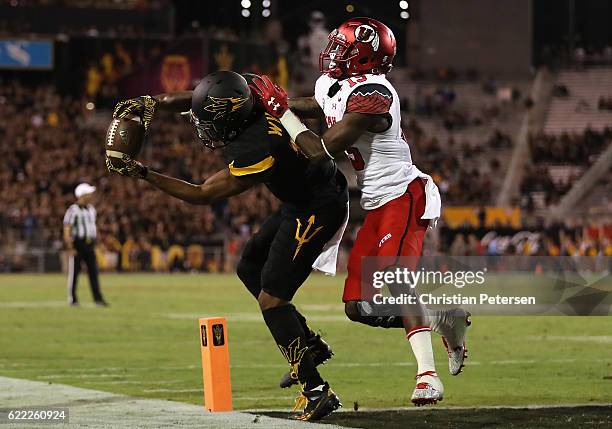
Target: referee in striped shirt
{"points": [[80, 240]]}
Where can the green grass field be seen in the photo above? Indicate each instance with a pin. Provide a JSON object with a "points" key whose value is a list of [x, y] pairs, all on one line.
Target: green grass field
{"points": [[146, 344]]}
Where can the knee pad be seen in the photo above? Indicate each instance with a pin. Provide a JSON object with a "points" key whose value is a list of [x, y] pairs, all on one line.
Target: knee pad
{"points": [[279, 283], [250, 274], [371, 314]]}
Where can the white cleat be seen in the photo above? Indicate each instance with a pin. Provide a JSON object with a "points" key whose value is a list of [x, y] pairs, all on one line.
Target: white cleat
{"points": [[453, 333], [428, 390]]}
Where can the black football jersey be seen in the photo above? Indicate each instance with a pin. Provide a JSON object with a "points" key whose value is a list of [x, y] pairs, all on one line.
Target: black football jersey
{"points": [[264, 149]]}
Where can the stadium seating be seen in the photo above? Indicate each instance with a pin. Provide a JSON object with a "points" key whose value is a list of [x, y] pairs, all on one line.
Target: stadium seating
{"points": [[142, 229], [132, 217], [463, 133], [579, 108]]}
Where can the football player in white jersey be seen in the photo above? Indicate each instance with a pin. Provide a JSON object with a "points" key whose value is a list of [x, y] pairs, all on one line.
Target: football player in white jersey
{"points": [[362, 111]]}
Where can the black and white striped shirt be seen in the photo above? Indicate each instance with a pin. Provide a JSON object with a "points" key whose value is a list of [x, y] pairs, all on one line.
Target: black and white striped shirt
{"points": [[82, 220]]}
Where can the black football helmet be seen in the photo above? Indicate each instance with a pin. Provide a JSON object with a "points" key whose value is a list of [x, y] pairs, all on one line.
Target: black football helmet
{"points": [[220, 108]]}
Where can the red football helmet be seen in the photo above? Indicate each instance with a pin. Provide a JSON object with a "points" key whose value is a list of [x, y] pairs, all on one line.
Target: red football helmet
{"points": [[358, 46]]}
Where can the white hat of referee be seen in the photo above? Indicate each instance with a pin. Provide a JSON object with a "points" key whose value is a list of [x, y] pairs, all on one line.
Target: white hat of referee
{"points": [[84, 189]]}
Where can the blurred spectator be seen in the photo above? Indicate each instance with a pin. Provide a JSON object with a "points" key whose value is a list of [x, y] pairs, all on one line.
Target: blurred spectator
{"points": [[312, 43], [547, 240], [464, 171], [575, 149], [560, 90], [604, 103], [53, 149]]}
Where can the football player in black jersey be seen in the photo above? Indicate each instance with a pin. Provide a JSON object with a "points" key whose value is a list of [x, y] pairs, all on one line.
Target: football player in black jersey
{"points": [[279, 257]]}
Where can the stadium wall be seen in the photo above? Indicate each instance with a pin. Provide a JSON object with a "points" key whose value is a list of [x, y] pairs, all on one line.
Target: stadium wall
{"points": [[491, 36]]}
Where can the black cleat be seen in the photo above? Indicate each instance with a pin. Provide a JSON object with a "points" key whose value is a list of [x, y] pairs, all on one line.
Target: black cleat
{"points": [[102, 303], [320, 351], [320, 402]]}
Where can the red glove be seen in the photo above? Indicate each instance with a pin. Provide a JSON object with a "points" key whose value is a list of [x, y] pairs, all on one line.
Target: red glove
{"points": [[271, 97]]}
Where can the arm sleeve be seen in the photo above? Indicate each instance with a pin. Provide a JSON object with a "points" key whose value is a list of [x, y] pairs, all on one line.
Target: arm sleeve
{"points": [[371, 98]]}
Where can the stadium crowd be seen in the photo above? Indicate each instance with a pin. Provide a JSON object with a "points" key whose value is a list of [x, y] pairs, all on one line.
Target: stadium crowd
{"points": [[572, 150], [56, 143], [53, 149], [575, 149], [463, 170], [558, 239]]}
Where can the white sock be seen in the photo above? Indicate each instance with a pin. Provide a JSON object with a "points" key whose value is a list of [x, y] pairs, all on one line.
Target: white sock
{"points": [[420, 340]]}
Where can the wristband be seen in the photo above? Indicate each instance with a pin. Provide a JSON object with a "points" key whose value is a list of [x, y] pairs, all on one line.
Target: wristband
{"points": [[292, 124]]}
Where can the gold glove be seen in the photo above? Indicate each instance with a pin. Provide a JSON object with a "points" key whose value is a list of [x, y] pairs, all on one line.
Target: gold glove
{"points": [[143, 107]]}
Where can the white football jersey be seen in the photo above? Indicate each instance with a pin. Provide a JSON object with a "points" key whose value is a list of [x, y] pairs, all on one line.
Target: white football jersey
{"points": [[382, 161]]}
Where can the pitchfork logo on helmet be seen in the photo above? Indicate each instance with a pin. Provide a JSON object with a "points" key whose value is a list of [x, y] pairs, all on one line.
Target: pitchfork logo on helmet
{"points": [[222, 105], [358, 46]]}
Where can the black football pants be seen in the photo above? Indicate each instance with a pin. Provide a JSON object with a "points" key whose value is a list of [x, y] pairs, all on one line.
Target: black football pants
{"points": [[279, 257], [84, 252]]}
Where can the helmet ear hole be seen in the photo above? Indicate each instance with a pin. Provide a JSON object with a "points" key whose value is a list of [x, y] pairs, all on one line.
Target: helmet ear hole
{"points": [[363, 60]]}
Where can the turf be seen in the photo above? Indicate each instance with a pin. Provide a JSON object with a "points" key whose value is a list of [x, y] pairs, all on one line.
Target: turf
{"points": [[512, 418], [146, 344]]}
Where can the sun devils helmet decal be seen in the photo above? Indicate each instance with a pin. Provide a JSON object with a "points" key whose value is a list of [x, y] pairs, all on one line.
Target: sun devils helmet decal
{"points": [[367, 34], [224, 105], [221, 105]]}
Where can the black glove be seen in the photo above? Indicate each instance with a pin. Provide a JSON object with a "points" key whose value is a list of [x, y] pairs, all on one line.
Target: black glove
{"points": [[131, 167], [143, 107]]}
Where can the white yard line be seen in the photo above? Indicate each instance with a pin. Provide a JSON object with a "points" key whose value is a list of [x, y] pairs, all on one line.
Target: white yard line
{"points": [[95, 409], [95, 374], [101, 375], [42, 304], [602, 339], [103, 381], [468, 363], [145, 383], [172, 390], [251, 317], [33, 304]]}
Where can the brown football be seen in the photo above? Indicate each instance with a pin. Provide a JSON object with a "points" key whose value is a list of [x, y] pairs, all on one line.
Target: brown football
{"points": [[124, 136]]}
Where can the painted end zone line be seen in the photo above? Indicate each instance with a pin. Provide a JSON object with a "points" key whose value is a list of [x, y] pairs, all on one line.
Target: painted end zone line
{"points": [[97, 409]]}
